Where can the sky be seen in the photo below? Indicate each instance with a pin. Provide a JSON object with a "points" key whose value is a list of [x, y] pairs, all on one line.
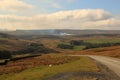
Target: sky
{"points": [[59, 14]]}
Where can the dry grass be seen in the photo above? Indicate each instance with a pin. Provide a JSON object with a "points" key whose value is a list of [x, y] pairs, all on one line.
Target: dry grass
{"points": [[12, 44], [81, 78], [51, 43], [45, 72], [106, 51], [20, 65]]}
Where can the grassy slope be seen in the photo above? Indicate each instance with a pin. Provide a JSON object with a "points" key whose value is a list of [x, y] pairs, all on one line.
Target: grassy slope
{"points": [[53, 43], [113, 51], [84, 64], [98, 41], [12, 44], [39, 73], [103, 40], [77, 48], [90, 40]]}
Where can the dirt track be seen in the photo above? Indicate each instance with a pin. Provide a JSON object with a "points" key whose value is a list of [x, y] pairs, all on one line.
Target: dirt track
{"points": [[112, 63], [108, 67]]}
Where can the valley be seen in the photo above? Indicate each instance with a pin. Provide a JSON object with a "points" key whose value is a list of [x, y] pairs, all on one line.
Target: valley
{"points": [[40, 58]]}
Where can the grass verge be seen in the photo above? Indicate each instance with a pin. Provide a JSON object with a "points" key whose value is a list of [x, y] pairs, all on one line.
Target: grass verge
{"points": [[42, 72]]}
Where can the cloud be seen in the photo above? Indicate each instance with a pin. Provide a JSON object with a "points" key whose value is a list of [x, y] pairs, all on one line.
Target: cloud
{"points": [[83, 15], [73, 19], [15, 6], [111, 23]]}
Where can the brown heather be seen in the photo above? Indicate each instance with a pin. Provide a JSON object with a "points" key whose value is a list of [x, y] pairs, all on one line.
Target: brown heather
{"points": [[44, 60]]}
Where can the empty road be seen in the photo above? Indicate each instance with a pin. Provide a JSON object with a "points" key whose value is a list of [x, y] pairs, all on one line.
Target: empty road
{"points": [[112, 63]]}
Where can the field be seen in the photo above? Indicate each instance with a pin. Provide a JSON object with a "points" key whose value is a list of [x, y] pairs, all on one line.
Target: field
{"points": [[43, 70], [53, 65], [77, 48], [111, 40], [13, 44], [16, 66], [91, 41], [113, 51]]}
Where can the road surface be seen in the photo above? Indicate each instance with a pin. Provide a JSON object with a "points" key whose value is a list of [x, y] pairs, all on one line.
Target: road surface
{"points": [[112, 63]]}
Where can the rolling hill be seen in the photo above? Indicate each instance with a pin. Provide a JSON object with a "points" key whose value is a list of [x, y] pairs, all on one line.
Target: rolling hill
{"points": [[106, 51], [62, 32]]}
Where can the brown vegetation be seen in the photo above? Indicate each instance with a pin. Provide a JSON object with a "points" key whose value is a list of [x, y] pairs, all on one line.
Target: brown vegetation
{"points": [[20, 65], [107, 51], [12, 44]]}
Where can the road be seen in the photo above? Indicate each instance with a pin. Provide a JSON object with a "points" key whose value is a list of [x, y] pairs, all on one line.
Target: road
{"points": [[112, 63]]}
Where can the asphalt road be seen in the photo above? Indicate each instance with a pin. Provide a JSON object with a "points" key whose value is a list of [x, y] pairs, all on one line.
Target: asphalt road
{"points": [[112, 63]]}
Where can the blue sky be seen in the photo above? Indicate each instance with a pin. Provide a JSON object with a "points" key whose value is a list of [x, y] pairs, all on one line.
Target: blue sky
{"points": [[110, 5], [59, 14]]}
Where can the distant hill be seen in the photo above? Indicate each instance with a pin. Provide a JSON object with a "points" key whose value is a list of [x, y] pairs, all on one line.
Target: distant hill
{"points": [[113, 51], [12, 44], [4, 35], [62, 32]]}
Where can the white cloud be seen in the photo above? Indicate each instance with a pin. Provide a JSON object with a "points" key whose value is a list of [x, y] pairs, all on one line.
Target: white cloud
{"points": [[74, 19], [15, 6], [111, 23], [82, 15]]}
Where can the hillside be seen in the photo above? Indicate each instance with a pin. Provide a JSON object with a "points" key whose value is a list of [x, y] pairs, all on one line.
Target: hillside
{"points": [[62, 32], [12, 44], [4, 35], [107, 51]]}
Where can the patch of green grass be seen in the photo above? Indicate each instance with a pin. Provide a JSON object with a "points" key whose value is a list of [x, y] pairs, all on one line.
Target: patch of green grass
{"points": [[22, 55], [40, 73], [103, 40], [77, 48], [67, 43], [2, 61]]}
